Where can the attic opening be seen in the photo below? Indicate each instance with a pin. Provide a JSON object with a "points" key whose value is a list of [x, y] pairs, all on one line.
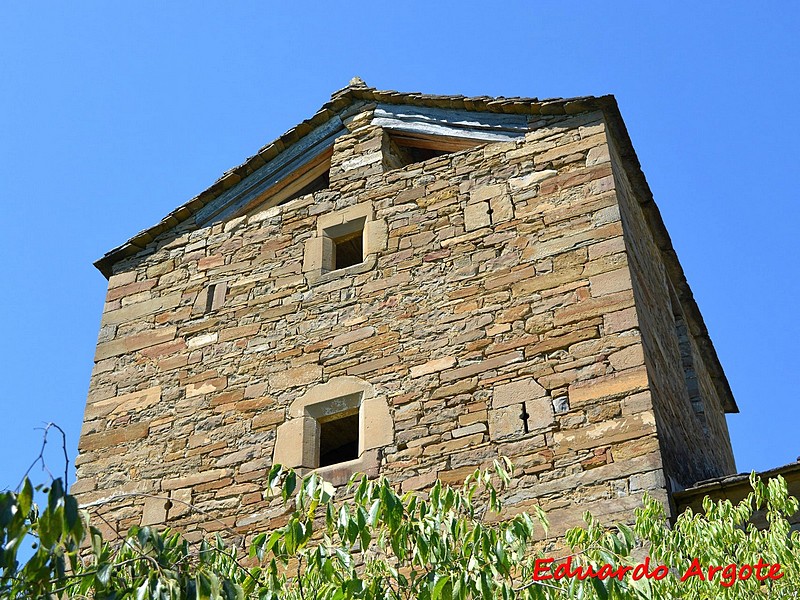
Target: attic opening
{"points": [[338, 438], [287, 185], [321, 182], [402, 149]]}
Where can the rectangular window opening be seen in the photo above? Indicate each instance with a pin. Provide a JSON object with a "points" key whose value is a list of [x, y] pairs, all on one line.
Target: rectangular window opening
{"points": [[215, 296], [407, 149], [343, 245], [210, 298], [338, 439], [349, 249]]}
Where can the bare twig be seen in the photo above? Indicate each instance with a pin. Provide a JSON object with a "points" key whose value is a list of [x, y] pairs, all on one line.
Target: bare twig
{"points": [[40, 458]]}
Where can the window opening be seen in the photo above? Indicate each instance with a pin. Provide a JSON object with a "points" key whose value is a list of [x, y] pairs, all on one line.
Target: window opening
{"points": [[349, 249], [215, 296], [210, 297], [417, 155], [408, 149], [524, 416], [338, 439], [345, 245]]}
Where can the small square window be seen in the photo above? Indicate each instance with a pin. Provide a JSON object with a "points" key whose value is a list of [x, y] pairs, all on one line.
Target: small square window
{"points": [[345, 243], [349, 249], [338, 438]]}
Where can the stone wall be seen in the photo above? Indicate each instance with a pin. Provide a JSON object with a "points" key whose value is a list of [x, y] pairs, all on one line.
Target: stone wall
{"points": [[691, 422], [494, 314]]}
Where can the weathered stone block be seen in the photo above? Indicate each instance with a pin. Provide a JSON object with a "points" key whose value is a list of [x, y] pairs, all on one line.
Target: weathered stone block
{"points": [[476, 216], [206, 387], [611, 386], [486, 192], [506, 422], [353, 336], [295, 377], [433, 366], [135, 342], [113, 437], [517, 392], [604, 433], [502, 209], [155, 511], [131, 402], [195, 479], [608, 283], [378, 427]]}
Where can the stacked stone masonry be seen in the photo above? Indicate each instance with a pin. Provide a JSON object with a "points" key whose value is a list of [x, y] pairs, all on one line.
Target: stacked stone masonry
{"points": [[511, 301]]}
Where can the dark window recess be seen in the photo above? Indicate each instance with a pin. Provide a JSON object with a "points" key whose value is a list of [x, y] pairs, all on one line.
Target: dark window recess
{"points": [[402, 149], [215, 296], [418, 155], [320, 183], [338, 440], [349, 249]]}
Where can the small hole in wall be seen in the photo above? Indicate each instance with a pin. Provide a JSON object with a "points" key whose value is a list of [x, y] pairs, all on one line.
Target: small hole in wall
{"points": [[524, 416], [338, 440], [418, 155]]}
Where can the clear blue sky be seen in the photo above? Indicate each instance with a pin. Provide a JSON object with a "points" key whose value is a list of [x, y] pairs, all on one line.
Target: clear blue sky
{"points": [[112, 114]]}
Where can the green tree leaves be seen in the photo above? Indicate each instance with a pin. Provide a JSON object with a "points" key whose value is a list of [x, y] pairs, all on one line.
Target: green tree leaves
{"points": [[448, 544]]}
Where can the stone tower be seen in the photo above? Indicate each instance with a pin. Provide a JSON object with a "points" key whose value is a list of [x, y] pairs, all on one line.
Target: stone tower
{"points": [[408, 285]]}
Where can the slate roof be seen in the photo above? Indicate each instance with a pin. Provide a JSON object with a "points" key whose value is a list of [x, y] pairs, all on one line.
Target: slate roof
{"points": [[738, 482], [357, 91]]}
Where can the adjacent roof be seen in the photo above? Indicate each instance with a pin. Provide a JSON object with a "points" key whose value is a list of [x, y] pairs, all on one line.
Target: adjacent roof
{"points": [[358, 91], [735, 487]]}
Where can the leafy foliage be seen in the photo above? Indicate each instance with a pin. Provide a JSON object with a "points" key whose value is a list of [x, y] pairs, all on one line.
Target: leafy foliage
{"points": [[450, 544]]}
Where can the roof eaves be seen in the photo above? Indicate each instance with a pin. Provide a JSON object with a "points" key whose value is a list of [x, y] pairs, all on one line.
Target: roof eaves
{"points": [[340, 100], [664, 243], [702, 488]]}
